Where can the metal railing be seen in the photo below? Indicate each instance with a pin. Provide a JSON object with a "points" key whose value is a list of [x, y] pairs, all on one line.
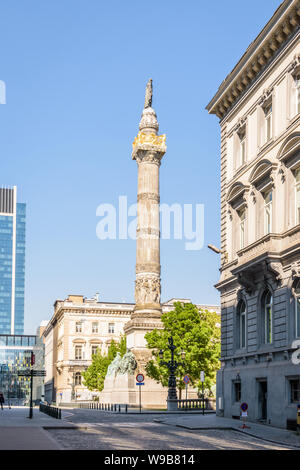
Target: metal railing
{"points": [[50, 410]]}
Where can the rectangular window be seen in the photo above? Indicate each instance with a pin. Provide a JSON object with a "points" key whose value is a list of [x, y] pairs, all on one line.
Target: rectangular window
{"points": [[268, 122], [78, 327], [111, 328], [268, 212], [294, 390], [242, 216], [94, 350], [297, 196], [268, 323], [78, 352], [243, 330], [241, 157], [95, 327]]}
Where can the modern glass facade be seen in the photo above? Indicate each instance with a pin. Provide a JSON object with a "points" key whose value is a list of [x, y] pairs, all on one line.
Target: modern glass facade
{"points": [[15, 356], [12, 262], [20, 268]]}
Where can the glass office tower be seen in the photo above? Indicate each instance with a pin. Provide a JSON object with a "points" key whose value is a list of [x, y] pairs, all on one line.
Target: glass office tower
{"points": [[12, 262]]}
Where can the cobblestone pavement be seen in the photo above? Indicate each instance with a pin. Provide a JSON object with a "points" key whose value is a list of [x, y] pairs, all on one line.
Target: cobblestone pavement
{"points": [[108, 431]]}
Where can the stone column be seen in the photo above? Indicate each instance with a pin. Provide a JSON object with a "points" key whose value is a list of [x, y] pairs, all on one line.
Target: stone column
{"points": [[148, 150]]}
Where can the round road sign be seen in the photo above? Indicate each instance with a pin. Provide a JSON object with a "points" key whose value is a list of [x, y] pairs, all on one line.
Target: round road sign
{"points": [[186, 379], [244, 406], [140, 378]]}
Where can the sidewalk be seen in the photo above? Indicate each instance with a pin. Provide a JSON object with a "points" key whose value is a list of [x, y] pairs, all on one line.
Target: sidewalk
{"points": [[15, 433], [260, 431]]}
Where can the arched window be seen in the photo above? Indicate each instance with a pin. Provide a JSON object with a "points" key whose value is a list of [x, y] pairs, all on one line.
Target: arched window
{"points": [[241, 325], [267, 317], [297, 309], [78, 378]]}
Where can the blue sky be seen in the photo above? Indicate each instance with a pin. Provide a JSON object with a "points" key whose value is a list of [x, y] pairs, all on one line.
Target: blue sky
{"points": [[75, 73]]}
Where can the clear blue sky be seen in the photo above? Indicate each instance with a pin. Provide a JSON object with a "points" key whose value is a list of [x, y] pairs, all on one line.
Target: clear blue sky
{"points": [[75, 73]]}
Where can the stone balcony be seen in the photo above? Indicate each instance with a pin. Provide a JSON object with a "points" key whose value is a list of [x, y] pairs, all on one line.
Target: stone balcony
{"points": [[271, 244], [73, 363], [266, 254]]}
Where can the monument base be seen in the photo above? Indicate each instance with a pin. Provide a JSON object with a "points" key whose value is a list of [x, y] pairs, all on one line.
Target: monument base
{"points": [[122, 389]]}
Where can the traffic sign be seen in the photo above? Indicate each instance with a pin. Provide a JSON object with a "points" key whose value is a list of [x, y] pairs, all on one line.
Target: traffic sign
{"points": [[140, 383], [244, 406], [140, 378], [186, 379], [202, 376]]}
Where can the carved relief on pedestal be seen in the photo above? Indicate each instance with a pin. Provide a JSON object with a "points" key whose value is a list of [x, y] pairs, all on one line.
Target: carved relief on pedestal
{"points": [[147, 290]]}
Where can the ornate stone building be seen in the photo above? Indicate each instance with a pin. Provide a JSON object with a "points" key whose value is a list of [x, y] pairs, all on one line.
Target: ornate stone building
{"points": [[258, 105], [79, 327]]}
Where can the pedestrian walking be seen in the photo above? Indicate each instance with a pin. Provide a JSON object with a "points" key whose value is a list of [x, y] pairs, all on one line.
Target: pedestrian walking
{"points": [[1, 400]]}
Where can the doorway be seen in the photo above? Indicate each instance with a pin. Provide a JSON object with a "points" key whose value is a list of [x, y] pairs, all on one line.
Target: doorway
{"points": [[263, 400]]}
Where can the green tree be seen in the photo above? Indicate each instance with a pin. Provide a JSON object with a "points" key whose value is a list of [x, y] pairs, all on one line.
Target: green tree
{"points": [[193, 331], [95, 374]]}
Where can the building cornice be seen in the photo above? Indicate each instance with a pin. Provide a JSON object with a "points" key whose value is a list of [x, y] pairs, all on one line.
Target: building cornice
{"points": [[277, 33]]}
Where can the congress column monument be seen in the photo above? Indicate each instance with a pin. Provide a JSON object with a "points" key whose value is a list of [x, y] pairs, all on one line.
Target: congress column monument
{"points": [[148, 150], [120, 384]]}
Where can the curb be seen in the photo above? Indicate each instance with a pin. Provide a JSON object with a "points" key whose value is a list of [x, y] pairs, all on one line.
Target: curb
{"points": [[289, 446]]}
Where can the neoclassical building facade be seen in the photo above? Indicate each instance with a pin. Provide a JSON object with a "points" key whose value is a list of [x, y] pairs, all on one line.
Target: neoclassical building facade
{"points": [[78, 329], [258, 105]]}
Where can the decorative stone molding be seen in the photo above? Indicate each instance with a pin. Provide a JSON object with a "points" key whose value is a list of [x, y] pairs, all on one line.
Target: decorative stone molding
{"points": [[238, 195], [142, 232], [295, 64], [148, 267], [282, 173], [286, 355], [295, 269], [253, 194], [275, 269], [148, 197], [269, 357], [240, 124], [246, 280], [266, 96], [147, 156]]}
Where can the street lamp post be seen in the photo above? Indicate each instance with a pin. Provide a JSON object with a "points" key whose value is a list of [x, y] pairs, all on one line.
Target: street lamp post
{"points": [[172, 366]]}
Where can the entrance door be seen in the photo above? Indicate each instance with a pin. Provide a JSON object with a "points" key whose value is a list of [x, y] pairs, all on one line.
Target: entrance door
{"points": [[263, 399]]}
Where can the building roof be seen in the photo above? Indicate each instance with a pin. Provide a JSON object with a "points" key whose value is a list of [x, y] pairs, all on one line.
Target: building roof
{"points": [[279, 30]]}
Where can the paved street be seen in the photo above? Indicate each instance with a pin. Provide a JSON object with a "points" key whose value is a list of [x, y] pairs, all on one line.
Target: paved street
{"points": [[97, 430], [109, 431]]}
